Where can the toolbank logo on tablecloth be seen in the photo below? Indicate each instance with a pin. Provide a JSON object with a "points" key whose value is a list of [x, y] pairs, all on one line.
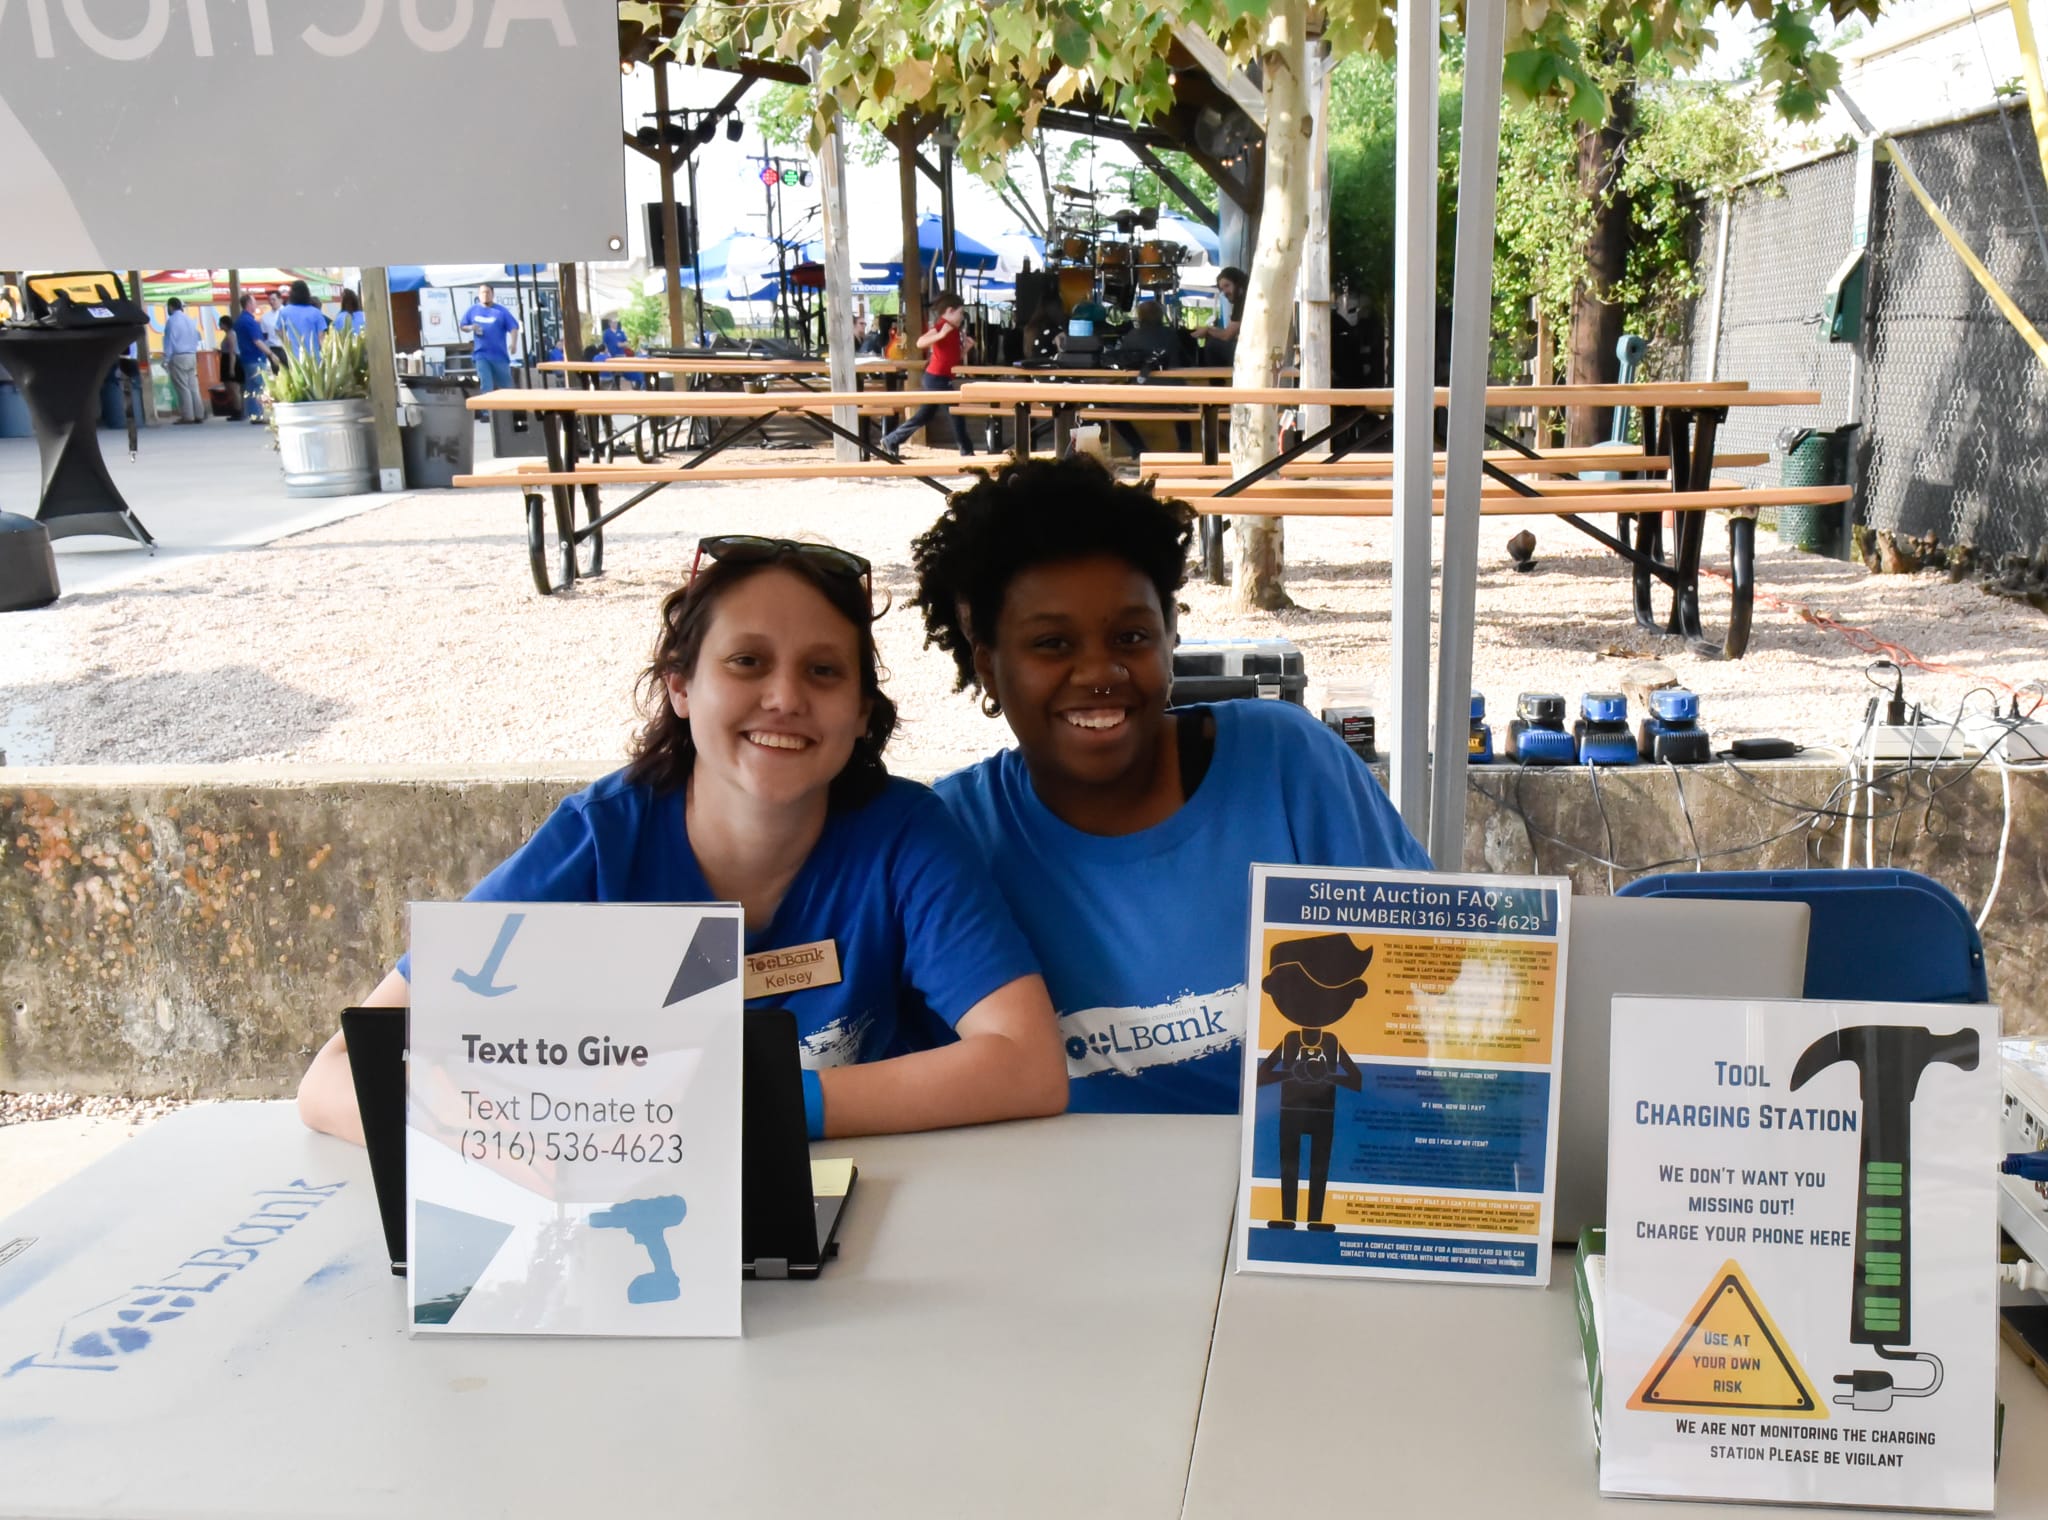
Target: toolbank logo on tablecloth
{"points": [[112, 187], [105, 1336]]}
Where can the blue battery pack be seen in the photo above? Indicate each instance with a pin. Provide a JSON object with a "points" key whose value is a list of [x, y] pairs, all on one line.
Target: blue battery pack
{"points": [[1602, 731], [1671, 734], [1479, 748], [1536, 733]]}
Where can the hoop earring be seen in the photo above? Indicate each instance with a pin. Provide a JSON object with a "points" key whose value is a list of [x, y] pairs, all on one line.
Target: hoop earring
{"points": [[990, 707]]}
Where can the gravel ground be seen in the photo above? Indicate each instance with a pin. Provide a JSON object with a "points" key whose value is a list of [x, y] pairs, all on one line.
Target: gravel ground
{"points": [[32, 1108], [411, 635]]}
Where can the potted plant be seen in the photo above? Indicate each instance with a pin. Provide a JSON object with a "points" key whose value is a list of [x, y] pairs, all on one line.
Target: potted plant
{"points": [[318, 399]]}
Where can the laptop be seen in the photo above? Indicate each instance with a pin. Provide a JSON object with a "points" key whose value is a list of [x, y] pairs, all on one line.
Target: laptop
{"points": [[1655, 947], [376, 1059], [790, 1206]]}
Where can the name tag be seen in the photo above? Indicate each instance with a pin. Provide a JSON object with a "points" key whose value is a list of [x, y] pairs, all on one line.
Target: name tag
{"points": [[777, 973]]}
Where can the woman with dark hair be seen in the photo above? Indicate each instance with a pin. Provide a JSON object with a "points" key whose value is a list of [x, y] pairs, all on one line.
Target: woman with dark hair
{"points": [[758, 779], [301, 324], [1122, 831], [351, 317]]}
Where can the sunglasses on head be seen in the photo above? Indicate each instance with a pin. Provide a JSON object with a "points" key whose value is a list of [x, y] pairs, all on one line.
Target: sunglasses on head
{"points": [[745, 548]]}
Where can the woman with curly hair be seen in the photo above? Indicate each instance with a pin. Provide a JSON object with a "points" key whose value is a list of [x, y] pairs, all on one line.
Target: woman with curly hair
{"points": [[758, 779], [1122, 831]]}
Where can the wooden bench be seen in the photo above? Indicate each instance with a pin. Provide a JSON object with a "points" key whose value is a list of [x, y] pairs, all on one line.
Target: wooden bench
{"points": [[1376, 465], [1678, 425], [559, 551]]}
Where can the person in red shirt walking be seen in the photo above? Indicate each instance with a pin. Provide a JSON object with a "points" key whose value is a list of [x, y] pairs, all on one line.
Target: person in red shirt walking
{"points": [[947, 347]]}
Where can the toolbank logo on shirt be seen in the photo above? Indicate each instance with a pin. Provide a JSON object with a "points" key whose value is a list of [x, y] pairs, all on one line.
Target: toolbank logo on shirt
{"points": [[1130, 1040]]}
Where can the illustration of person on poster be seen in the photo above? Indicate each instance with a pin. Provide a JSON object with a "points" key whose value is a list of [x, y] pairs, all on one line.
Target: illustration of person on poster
{"points": [[1314, 983], [1404, 1032]]}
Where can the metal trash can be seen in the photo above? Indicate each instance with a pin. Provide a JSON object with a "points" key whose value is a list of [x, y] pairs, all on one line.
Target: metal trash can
{"points": [[439, 436], [1814, 457], [28, 566], [516, 435]]}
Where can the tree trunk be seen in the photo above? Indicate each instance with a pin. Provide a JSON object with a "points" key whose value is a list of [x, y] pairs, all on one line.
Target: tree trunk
{"points": [[1269, 303], [1596, 316]]}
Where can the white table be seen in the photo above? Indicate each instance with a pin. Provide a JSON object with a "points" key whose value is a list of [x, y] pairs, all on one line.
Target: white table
{"points": [[1398, 1399], [1018, 1325]]}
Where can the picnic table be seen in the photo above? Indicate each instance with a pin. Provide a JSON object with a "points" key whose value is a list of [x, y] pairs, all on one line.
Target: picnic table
{"points": [[649, 436], [559, 558], [1679, 423]]}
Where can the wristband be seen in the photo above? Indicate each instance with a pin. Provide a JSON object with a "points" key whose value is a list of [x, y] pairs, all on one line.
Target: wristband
{"points": [[814, 1105]]}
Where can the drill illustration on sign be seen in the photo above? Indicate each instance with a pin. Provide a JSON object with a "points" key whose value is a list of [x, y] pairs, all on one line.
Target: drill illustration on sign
{"points": [[1889, 1060], [648, 1221], [1313, 982]]}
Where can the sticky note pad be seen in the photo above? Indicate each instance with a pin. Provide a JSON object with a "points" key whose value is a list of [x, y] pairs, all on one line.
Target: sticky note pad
{"points": [[831, 1177]]}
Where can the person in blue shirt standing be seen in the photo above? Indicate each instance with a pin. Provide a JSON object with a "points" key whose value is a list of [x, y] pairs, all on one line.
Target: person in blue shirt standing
{"points": [[758, 779], [612, 334], [491, 327], [1121, 831], [301, 324], [351, 317], [253, 350], [181, 358]]}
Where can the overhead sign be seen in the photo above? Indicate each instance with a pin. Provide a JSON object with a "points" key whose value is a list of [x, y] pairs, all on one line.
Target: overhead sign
{"points": [[573, 1120], [180, 133], [1801, 1209]]}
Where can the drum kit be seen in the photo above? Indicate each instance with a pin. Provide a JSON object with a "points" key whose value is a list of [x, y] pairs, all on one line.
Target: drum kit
{"points": [[1097, 256]]}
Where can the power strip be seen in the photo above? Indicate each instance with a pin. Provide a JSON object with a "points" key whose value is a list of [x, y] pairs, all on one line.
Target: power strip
{"points": [[2023, 1206], [2013, 740], [1918, 741]]}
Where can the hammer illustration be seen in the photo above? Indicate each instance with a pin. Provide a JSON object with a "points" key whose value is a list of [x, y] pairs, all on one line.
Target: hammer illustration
{"points": [[1889, 1060]]}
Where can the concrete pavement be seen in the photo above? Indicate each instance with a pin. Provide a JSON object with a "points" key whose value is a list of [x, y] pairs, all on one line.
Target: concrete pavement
{"points": [[198, 490]]}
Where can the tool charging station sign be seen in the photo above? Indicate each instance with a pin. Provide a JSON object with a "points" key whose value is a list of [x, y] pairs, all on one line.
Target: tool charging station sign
{"points": [[193, 133], [1801, 1246]]}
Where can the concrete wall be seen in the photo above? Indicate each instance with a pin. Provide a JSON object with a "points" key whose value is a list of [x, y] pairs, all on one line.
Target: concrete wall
{"points": [[197, 931]]}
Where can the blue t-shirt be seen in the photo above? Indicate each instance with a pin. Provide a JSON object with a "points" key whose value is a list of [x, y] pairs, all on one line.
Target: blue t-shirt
{"points": [[615, 344], [301, 327], [1142, 937], [894, 884], [493, 326], [248, 333]]}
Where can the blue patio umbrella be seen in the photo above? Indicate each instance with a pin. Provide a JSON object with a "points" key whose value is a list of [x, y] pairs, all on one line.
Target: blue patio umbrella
{"points": [[972, 253], [1191, 234]]}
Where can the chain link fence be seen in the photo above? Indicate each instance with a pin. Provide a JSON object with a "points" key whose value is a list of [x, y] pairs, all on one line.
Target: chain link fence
{"points": [[1954, 404]]}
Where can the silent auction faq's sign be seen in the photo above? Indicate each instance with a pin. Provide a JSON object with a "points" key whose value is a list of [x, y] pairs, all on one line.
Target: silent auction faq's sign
{"points": [[403, 132], [1801, 1230], [573, 1145], [1401, 1054]]}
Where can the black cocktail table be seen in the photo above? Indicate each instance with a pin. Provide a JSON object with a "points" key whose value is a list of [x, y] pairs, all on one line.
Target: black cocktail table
{"points": [[59, 372]]}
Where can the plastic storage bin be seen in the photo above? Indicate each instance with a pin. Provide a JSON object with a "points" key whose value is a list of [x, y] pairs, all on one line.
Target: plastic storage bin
{"points": [[1217, 670]]}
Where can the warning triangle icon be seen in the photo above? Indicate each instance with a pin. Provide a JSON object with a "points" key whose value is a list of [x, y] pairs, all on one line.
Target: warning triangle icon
{"points": [[1728, 1354]]}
